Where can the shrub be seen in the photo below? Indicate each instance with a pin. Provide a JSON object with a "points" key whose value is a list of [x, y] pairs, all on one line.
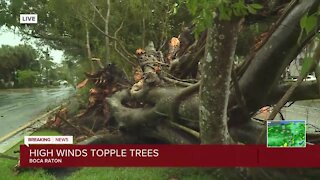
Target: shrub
{"points": [[27, 78]]}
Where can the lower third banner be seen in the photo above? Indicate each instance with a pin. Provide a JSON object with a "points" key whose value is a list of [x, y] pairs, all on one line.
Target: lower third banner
{"points": [[167, 156]]}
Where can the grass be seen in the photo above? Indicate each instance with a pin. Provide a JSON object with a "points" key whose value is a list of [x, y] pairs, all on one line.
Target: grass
{"points": [[7, 172], [7, 165], [142, 173], [43, 132]]}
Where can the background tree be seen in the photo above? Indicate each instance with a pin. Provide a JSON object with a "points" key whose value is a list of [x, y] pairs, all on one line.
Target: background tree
{"points": [[27, 78], [15, 58], [62, 25]]}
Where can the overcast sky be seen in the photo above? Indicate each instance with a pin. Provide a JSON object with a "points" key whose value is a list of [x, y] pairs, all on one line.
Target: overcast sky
{"points": [[10, 38]]}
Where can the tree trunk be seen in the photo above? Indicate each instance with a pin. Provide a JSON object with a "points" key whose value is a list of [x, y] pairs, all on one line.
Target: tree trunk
{"points": [[107, 31], [215, 81], [89, 48], [143, 24]]}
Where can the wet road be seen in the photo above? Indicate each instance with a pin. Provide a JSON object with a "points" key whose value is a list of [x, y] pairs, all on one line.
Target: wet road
{"points": [[302, 110], [18, 106]]}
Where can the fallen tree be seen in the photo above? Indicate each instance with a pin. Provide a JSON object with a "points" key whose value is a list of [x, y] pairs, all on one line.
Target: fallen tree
{"points": [[258, 84], [164, 103]]}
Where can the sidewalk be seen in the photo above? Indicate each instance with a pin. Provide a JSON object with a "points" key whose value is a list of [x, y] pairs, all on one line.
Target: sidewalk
{"points": [[12, 138]]}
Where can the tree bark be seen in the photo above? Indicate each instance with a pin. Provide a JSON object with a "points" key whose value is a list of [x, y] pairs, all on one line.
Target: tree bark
{"points": [[270, 61], [89, 48], [291, 90], [107, 31], [264, 71], [215, 81], [143, 24], [306, 91]]}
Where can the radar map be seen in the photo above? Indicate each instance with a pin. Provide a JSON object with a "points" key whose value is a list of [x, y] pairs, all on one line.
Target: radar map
{"points": [[286, 133]]}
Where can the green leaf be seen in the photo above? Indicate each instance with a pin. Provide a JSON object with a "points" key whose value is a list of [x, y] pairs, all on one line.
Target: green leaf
{"points": [[308, 62], [303, 21], [307, 23], [256, 6], [318, 36], [236, 12], [174, 10], [252, 10], [311, 23], [192, 6], [224, 15]]}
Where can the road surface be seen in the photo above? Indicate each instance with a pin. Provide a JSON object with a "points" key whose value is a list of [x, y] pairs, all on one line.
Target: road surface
{"points": [[303, 110], [18, 106]]}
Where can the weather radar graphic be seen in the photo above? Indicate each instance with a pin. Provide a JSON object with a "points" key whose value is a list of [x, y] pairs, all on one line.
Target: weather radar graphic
{"points": [[286, 133]]}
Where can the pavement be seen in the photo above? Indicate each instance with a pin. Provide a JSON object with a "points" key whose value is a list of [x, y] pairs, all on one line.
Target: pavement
{"points": [[14, 137], [307, 110], [22, 111], [19, 106]]}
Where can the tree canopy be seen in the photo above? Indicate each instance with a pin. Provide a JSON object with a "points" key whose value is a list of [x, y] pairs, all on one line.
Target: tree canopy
{"points": [[13, 58]]}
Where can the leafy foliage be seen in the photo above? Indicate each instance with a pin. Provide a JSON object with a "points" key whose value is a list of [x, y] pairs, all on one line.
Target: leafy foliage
{"points": [[308, 62], [308, 22], [13, 58], [61, 24], [27, 78], [22, 63], [204, 11]]}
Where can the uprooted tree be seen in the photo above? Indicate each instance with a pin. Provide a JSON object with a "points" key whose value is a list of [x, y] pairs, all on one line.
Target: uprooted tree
{"points": [[195, 92], [188, 96]]}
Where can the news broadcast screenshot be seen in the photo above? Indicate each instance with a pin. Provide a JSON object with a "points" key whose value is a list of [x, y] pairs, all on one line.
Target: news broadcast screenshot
{"points": [[159, 89]]}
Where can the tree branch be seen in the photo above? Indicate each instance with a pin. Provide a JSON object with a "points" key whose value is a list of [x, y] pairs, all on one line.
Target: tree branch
{"points": [[264, 71], [306, 91], [185, 93], [116, 48], [176, 82], [317, 73], [302, 76], [111, 37], [98, 11]]}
